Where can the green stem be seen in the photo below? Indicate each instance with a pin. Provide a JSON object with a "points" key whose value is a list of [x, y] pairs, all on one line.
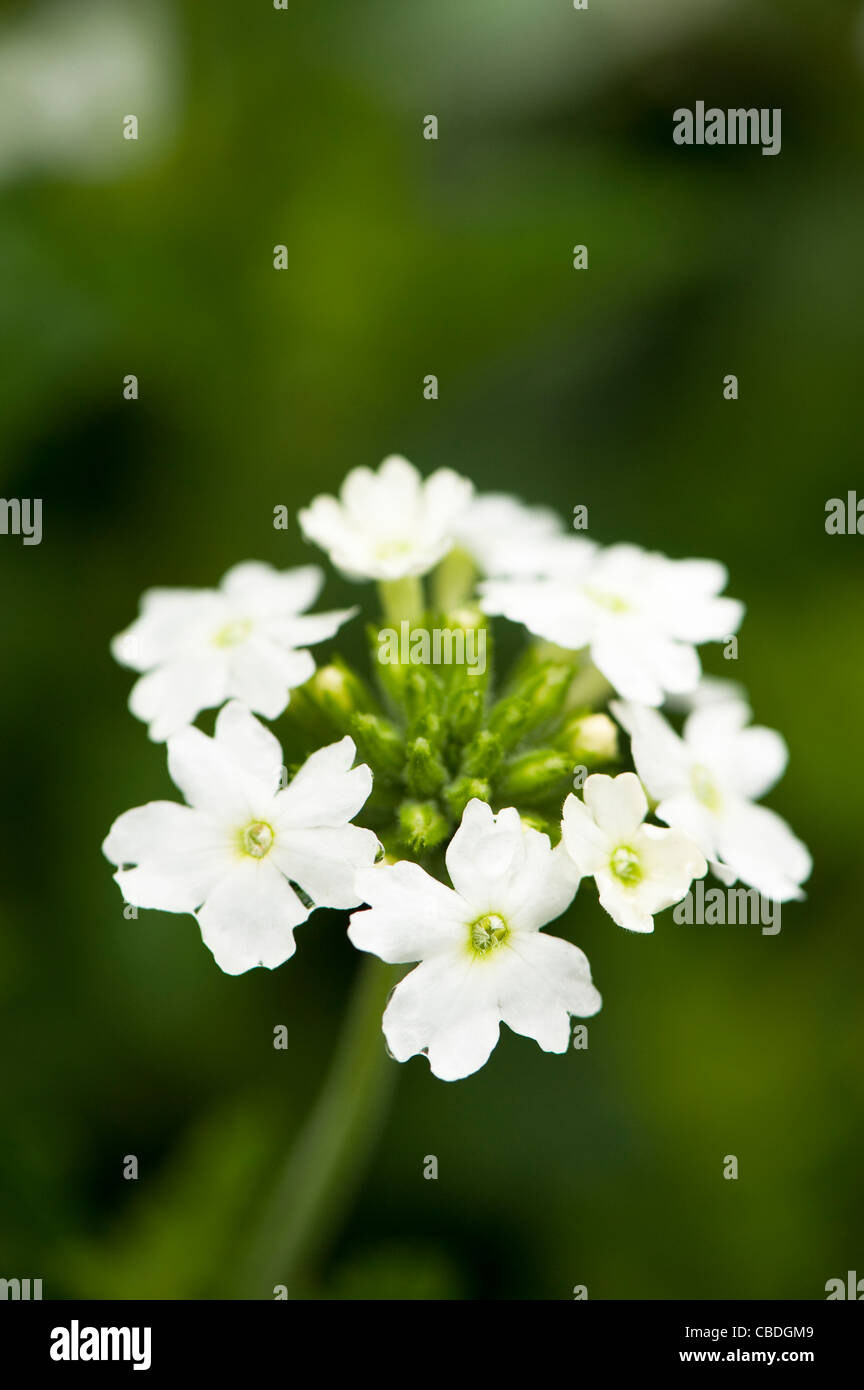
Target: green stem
{"points": [[402, 598], [329, 1157], [453, 581]]}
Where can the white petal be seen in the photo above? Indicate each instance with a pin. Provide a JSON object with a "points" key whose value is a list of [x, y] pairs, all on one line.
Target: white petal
{"points": [[586, 844], [446, 1008], [411, 915], [546, 607], [249, 917], [323, 523], [324, 861], [180, 854], [546, 980], [170, 697], [669, 861], [763, 851], [497, 528], [750, 760], [618, 804], [643, 665], [326, 790], [685, 813], [265, 590], [211, 779], [622, 903], [661, 758], [485, 856], [544, 887], [447, 496], [261, 674], [306, 629], [252, 747], [171, 621]]}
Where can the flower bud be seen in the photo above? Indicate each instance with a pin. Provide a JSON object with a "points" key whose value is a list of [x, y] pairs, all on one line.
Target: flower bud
{"points": [[547, 692], [422, 826], [463, 790], [483, 755], [425, 774], [591, 739], [378, 744], [464, 712], [338, 693], [542, 773]]}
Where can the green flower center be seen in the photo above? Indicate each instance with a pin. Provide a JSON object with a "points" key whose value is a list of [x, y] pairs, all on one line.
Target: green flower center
{"points": [[613, 603], [488, 933], [257, 839], [392, 548], [625, 865], [705, 789], [233, 633]]}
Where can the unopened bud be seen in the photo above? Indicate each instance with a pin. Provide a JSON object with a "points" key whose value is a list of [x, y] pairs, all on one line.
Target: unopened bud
{"points": [[483, 755], [422, 825], [338, 693], [464, 712], [591, 739], [425, 774], [378, 743], [463, 790], [536, 775]]}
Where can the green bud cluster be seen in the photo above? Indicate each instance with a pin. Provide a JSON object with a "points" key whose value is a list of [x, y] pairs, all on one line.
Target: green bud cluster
{"points": [[438, 735]]}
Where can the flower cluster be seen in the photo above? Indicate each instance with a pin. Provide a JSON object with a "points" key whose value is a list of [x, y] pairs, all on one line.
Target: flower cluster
{"points": [[438, 800]]}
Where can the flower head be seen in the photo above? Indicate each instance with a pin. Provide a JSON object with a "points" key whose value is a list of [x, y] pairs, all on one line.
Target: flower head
{"points": [[390, 524], [638, 612], [706, 782], [483, 960], [245, 640], [233, 854], [639, 869]]}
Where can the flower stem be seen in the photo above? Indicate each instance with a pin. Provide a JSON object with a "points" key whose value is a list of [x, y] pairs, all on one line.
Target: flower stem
{"points": [[402, 598], [453, 580], [329, 1156]]}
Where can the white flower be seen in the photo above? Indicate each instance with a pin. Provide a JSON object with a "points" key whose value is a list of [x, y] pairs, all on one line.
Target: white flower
{"points": [[639, 869], [390, 524], [483, 958], [244, 640], [705, 784], [638, 612], [502, 534], [232, 855], [711, 690]]}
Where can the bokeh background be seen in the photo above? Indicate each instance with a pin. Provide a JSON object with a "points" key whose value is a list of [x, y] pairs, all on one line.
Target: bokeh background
{"points": [[260, 388]]}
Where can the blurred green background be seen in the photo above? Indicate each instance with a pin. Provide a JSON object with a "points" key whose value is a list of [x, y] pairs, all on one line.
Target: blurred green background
{"points": [[258, 388]]}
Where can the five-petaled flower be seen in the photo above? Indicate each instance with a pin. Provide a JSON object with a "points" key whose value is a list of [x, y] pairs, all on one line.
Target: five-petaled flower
{"points": [[233, 854], [483, 959], [245, 640], [639, 613], [639, 869], [705, 784], [390, 524]]}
